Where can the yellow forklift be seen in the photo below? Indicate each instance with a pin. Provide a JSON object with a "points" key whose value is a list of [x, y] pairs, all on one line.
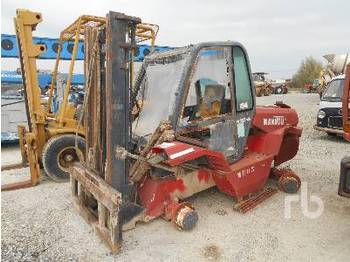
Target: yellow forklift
{"points": [[53, 140]]}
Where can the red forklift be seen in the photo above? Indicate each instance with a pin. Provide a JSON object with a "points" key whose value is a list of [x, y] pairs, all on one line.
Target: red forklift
{"points": [[188, 123]]}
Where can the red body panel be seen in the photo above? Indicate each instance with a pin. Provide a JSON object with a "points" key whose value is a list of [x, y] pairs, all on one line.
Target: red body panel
{"points": [[179, 153], [248, 175], [274, 137], [271, 118]]}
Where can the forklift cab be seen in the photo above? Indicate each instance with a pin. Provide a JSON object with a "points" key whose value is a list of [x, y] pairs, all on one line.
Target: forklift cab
{"points": [[205, 91]]}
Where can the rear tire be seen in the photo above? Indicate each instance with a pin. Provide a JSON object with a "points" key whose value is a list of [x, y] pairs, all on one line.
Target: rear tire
{"points": [[59, 153]]}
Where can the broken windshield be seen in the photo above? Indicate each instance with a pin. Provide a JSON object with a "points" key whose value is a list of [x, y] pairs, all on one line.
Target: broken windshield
{"points": [[157, 92]]}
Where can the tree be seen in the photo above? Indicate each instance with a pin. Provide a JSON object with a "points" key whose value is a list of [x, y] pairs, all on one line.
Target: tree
{"points": [[308, 71]]}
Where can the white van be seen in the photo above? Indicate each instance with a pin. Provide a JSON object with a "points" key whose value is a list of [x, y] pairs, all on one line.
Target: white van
{"points": [[329, 116]]}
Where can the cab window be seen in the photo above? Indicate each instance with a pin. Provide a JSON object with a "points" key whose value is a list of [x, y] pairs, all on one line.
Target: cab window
{"points": [[209, 94], [243, 86]]}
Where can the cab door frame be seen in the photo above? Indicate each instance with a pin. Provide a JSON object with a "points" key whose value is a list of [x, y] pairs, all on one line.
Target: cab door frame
{"points": [[243, 117]]}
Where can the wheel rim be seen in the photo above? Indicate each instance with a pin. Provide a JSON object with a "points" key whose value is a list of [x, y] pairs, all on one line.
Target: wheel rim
{"points": [[66, 157]]}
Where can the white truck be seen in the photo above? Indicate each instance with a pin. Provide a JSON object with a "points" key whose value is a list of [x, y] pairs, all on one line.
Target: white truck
{"points": [[329, 116]]}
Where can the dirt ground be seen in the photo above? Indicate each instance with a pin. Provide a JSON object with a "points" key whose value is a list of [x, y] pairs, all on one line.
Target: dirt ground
{"points": [[40, 223]]}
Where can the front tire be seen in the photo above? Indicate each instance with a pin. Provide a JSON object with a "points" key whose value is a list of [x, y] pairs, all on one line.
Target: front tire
{"points": [[59, 153]]}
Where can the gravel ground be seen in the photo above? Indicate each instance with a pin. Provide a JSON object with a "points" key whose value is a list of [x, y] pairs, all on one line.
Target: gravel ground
{"points": [[40, 223]]}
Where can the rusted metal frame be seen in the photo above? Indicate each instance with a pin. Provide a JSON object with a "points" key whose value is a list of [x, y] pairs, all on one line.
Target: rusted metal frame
{"points": [[108, 205], [97, 186], [80, 184], [92, 114], [89, 113], [101, 133], [118, 119], [117, 96], [115, 89], [95, 121]]}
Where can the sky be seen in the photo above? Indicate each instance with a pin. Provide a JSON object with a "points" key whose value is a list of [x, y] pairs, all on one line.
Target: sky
{"points": [[278, 34]]}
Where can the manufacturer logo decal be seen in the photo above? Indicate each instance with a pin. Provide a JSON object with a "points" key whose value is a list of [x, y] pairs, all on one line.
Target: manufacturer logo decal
{"points": [[274, 121]]}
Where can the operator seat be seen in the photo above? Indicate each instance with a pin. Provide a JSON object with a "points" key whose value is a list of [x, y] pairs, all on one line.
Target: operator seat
{"points": [[212, 101]]}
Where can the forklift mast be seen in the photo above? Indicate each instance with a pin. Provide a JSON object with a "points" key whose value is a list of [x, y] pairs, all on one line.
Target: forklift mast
{"points": [[118, 87], [34, 140], [108, 121], [25, 23]]}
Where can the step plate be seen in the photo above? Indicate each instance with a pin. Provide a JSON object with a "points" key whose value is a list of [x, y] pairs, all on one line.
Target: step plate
{"points": [[248, 204]]}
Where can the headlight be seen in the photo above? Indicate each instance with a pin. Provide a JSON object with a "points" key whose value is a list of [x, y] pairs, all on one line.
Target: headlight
{"points": [[321, 114]]}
